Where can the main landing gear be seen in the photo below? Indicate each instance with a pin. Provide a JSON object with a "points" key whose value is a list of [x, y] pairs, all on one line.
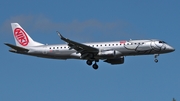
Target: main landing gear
{"points": [[155, 56], [89, 62]]}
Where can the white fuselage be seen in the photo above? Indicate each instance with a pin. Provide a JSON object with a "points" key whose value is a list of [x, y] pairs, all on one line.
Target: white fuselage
{"points": [[125, 48]]}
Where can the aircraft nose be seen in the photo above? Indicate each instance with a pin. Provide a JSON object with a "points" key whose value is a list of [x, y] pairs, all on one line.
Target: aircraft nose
{"points": [[170, 48]]}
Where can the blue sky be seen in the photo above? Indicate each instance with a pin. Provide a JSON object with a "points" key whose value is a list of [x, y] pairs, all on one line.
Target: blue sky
{"points": [[26, 78]]}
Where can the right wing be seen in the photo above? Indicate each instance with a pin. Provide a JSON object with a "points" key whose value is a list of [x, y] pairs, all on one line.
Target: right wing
{"points": [[80, 48]]}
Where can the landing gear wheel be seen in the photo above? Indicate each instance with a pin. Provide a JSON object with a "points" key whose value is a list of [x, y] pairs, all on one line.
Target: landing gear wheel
{"points": [[95, 66], [155, 56], [89, 62], [156, 60]]}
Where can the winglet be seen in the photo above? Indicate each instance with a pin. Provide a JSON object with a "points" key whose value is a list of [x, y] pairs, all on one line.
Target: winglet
{"points": [[63, 38], [60, 34]]}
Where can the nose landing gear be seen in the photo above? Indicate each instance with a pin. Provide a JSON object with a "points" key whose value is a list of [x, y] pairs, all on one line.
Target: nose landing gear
{"points": [[155, 56], [156, 60]]}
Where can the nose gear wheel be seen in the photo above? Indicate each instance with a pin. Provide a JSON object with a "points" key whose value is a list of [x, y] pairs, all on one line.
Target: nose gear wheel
{"points": [[155, 56]]}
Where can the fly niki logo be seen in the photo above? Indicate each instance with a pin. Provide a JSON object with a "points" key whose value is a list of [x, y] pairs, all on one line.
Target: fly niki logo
{"points": [[122, 42], [21, 36]]}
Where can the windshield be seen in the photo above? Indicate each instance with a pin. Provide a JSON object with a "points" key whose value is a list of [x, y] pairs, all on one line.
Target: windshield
{"points": [[162, 42]]}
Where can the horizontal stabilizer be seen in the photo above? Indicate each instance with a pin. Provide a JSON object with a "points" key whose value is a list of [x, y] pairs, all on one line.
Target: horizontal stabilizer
{"points": [[16, 47]]}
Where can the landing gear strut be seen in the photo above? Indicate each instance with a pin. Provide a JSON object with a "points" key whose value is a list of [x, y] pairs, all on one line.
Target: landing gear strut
{"points": [[155, 56], [89, 62]]}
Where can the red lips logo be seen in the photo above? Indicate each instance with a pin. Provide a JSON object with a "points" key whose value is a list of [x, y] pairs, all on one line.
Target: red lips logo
{"points": [[21, 36]]}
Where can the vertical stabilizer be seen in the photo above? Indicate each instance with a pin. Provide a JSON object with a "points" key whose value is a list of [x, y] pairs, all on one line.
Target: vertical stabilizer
{"points": [[22, 39]]}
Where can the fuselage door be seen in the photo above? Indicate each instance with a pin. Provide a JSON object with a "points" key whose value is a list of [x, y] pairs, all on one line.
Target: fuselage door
{"points": [[44, 50]]}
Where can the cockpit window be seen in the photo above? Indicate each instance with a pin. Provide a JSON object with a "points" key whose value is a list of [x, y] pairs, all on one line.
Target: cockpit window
{"points": [[162, 42]]}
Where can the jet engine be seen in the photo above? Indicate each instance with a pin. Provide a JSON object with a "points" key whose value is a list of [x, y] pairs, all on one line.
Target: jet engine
{"points": [[115, 61], [108, 54]]}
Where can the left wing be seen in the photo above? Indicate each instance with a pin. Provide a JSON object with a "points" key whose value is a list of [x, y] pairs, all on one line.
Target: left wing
{"points": [[80, 48]]}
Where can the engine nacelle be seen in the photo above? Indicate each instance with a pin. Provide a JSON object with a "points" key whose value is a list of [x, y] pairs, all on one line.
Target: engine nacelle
{"points": [[109, 54], [115, 61]]}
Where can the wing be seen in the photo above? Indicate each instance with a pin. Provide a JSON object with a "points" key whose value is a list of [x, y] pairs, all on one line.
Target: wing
{"points": [[80, 48]]}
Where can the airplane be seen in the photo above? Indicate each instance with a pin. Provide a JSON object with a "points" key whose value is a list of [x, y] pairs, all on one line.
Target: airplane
{"points": [[110, 52]]}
